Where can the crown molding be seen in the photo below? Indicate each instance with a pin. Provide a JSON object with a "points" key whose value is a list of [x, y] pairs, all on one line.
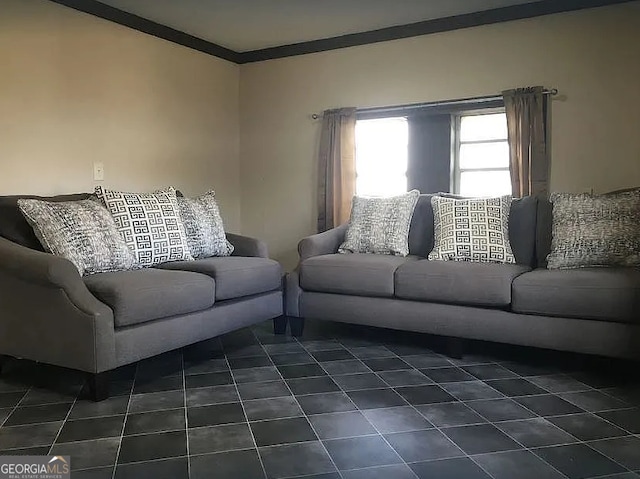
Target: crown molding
{"points": [[439, 25], [135, 22]]}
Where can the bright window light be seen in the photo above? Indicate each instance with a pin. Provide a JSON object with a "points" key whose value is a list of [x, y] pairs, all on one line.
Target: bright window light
{"points": [[481, 165], [381, 156]]}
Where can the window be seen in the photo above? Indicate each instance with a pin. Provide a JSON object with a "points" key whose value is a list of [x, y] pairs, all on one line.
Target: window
{"points": [[462, 151], [481, 155], [381, 156]]}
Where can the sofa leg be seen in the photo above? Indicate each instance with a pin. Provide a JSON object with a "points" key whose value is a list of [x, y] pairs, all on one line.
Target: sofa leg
{"points": [[454, 347], [99, 386], [3, 361], [280, 325], [297, 326]]}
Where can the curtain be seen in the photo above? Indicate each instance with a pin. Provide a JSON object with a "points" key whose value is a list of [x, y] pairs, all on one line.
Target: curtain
{"points": [[526, 110], [337, 167]]}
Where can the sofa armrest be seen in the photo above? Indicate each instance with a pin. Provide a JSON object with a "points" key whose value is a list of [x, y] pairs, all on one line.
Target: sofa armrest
{"points": [[327, 242], [49, 315], [246, 246]]}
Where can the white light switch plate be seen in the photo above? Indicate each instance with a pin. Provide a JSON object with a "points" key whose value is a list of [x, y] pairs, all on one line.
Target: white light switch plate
{"points": [[98, 171]]}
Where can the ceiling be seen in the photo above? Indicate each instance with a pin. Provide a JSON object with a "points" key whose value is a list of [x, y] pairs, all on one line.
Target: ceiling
{"points": [[247, 25]]}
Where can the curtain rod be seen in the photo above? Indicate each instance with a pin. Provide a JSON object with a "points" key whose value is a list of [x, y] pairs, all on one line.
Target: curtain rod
{"points": [[411, 106]]}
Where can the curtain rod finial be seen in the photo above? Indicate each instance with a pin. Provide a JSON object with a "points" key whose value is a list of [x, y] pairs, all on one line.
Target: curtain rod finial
{"points": [[315, 116]]}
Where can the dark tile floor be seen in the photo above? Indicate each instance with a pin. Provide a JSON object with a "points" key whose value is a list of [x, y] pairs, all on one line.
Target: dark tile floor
{"points": [[344, 402]]}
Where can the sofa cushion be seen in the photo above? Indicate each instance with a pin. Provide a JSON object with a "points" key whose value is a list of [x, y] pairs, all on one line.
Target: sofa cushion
{"points": [[203, 226], [472, 229], [358, 273], [522, 227], [150, 224], [236, 276], [608, 294], [14, 226], [81, 231], [454, 282], [380, 225], [421, 230], [146, 294], [595, 230]]}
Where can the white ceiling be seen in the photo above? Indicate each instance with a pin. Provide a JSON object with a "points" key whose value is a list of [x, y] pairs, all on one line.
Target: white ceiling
{"points": [[244, 25]]}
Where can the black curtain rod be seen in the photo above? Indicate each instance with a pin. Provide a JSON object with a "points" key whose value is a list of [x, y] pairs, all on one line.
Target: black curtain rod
{"points": [[413, 106]]}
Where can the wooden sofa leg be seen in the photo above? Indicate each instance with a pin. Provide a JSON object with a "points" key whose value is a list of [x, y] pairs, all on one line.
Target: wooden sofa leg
{"points": [[280, 325], [99, 386], [297, 326], [454, 347]]}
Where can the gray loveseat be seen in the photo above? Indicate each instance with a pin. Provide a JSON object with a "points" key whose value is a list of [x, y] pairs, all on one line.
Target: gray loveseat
{"points": [[96, 323], [591, 310]]}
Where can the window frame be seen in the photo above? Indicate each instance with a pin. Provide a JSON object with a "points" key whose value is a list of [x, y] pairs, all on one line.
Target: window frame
{"points": [[456, 120]]}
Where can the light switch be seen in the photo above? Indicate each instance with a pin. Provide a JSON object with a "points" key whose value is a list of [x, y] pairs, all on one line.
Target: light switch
{"points": [[98, 171]]}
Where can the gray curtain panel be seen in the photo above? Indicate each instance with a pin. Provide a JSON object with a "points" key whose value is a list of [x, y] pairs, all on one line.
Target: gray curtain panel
{"points": [[337, 167], [526, 110]]}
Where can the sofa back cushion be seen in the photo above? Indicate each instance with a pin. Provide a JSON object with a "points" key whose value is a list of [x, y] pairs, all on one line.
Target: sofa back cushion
{"points": [[14, 226], [421, 231], [522, 228], [544, 225]]}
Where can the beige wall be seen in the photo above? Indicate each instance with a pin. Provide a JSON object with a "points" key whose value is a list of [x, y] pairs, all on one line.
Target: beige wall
{"points": [[75, 89], [591, 56]]}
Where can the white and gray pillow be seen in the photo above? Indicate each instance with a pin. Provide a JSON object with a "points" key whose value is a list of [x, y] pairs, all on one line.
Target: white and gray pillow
{"points": [[81, 231], [380, 225], [472, 229], [149, 223], [595, 230], [204, 226]]}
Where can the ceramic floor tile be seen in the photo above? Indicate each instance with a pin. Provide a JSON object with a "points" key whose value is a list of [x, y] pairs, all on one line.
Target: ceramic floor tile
{"points": [[295, 460], [227, 465]]}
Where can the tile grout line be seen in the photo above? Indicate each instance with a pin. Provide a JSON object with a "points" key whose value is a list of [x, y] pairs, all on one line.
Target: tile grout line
{"points": [[16, 407], [324, 448], [457, 401], [435, 426], [124, 423], [579, 441], [549, 392], [63, 423], [244, 412], [360, 411], [517, 376], [530, 450], [186, 418]]}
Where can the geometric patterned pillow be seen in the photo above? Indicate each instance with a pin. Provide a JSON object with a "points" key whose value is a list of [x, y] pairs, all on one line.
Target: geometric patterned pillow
{"points": [[81, 231], [204, 227], [149, 223], [380, 225], [595, 230], [472, 229]]}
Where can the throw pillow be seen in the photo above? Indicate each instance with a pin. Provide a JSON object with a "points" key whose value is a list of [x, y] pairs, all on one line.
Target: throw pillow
{"points": [[204, 227], [380, 225], [82, 231], [472, 229], [595, 230], [149, 223]]}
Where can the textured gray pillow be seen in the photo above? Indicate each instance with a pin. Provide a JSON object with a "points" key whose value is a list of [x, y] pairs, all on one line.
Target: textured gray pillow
{"points": [[204, 227], [472, 229], [81, 231], [149, 223], [591, 230], [380, 225]]}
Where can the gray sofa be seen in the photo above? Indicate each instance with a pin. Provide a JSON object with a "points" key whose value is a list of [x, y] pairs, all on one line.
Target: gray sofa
{"points": [[96, 323], [591, 310]]}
